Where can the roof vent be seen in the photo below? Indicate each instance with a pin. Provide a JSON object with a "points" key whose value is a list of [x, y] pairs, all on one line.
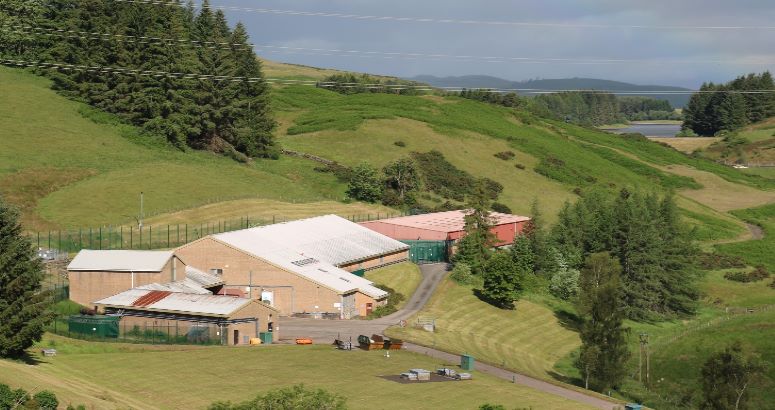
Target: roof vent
{"points": [[304, 262]]}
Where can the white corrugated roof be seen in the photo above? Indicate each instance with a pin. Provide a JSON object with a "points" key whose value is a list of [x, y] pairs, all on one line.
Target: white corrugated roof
{"points": [[328, 238], [186, 286], [120, 261], [187, 303], [312, 247], [203, 279]]}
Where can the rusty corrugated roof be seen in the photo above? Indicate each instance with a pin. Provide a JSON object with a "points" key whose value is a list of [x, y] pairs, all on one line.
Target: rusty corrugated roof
{"points": [[150, 298]]}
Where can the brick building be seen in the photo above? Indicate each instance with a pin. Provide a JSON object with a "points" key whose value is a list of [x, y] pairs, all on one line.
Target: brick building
{"points": [[236, 320], [96, 274]]}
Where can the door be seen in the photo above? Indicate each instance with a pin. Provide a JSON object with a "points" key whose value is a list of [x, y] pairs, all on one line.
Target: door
{"points": [[349, 310], [236, 337], [369, 308]]}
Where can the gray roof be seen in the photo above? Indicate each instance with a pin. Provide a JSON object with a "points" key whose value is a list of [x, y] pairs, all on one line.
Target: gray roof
{"points": [[120, 261], [313, 247], [196, 282], [185, 303]]}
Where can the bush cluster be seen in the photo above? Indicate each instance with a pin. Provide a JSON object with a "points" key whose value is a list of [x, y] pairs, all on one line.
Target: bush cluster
{"points": [[715, 261], [505, 155], [21, 399], [756, 275]]}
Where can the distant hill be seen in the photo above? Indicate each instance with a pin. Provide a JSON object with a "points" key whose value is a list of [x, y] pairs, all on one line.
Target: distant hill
{"points": [[485, 81]]}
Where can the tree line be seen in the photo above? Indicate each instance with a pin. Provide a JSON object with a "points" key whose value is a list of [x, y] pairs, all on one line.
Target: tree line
{"points": [[597, 108], [232, 117], [721, 108]]}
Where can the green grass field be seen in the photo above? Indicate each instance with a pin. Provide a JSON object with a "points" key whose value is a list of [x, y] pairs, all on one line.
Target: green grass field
{"points": [[49, 166], [111, 376], [403, 277], [529, 339], [756, 252]]}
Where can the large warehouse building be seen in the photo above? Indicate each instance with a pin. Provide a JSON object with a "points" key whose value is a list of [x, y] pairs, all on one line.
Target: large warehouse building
{"points": [[301, 267], [422, 231]]}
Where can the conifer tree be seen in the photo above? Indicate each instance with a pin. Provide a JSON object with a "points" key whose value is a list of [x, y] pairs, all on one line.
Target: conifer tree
{"points": [[604, 350], [24, 307], [475, 247]]}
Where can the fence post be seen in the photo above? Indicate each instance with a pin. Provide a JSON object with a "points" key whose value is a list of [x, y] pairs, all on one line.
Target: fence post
{"points": [[80, 239], [100, 238], [186, 233], [121, 237], [247, 222], [91, 245], [177, 227], [110, 236], [150, 237], [59, 239]]}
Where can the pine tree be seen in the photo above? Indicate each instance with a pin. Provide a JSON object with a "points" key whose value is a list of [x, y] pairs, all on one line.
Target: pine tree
{"points": [[475, 247], [24, 307], [604, 350]]}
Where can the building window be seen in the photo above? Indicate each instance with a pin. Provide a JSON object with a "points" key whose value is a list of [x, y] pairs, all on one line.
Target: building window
{"points": [[216, 271]]}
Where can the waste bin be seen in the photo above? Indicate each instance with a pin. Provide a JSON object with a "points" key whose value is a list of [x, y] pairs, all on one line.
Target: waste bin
{"points": [[467, 362], [266, 337]]}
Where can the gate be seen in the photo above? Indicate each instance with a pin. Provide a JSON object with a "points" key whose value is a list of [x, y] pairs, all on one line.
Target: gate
{"points": [[428, 251]]}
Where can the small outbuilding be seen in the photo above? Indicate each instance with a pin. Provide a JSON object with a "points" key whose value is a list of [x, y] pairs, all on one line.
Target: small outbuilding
{"points": [[230, 320]]}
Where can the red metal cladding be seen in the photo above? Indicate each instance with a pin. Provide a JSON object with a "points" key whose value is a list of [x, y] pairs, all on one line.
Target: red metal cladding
{"points": [[151, 298]]}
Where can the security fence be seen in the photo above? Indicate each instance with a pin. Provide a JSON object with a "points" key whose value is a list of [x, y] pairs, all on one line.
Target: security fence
{"points": [[158, 236], [100, 328]]}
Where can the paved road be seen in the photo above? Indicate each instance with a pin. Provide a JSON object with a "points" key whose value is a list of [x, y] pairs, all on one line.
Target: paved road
{"points": [[518, 378], [326, 331]]}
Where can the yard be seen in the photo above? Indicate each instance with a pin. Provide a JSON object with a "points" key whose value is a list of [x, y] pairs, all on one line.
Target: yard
{"points": [[150, 377]]}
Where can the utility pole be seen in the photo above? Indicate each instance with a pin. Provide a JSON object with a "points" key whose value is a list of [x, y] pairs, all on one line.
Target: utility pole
{"points": [[140, 217], [644, 348]]}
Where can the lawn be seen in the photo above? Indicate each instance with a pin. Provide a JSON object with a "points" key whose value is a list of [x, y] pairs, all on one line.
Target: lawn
{"points": [[403, 277], [145, 377], [529, 339]]}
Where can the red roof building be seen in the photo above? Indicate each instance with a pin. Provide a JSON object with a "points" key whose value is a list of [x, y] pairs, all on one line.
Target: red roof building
{"points": [[445, 226]]}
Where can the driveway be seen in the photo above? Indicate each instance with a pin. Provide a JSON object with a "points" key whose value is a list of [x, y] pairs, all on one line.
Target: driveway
{"points": [[326, 331]]}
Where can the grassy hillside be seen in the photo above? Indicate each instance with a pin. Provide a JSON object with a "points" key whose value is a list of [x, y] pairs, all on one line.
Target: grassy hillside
{"points": [[56, 153], [754, 144], [110, 376], [530, 338], [74, 152]]}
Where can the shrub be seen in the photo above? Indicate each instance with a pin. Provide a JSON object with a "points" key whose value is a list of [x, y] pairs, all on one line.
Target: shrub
{"points": [[499, 207], [714, 261], [505, 155], [462, 274], [399, 144], [46, 400], [756, 275], [288, 398], [520, 166]]}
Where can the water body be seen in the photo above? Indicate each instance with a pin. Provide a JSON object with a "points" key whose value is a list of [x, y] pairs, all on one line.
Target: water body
{"points": [[650, 130]]}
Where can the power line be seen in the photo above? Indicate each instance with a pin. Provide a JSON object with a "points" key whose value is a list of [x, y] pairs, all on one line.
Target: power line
{"points": [[267, 48], [448, 21], [333, 84]]}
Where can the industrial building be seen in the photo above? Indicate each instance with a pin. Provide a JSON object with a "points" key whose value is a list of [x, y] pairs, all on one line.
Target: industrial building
{"points": [[227, 320], [302, 267], [432, 236], [94, 275]]}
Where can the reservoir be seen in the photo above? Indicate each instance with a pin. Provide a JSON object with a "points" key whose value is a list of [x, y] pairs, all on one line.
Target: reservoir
{"points": [[650, 130]]}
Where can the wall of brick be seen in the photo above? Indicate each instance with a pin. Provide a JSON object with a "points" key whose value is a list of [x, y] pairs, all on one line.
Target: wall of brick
{"points": [[378, 261], [292, 293], [89, 286]]}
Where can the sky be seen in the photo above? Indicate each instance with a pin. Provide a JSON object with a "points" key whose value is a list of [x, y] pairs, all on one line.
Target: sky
{"points": [[570, 38]]}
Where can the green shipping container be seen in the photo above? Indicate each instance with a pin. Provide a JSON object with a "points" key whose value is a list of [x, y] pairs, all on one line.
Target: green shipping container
{"points": [[97, 326], [266, 337], [467, 362]]}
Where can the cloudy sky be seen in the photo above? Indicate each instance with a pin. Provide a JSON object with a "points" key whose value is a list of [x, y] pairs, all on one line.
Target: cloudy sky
{"points": [[563, 38]]}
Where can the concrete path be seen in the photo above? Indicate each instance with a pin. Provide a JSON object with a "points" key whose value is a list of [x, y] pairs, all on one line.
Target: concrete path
{"points": [[326, 331], [518, 378]]}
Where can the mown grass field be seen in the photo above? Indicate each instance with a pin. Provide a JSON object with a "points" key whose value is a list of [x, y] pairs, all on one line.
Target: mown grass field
{"points": [[403, 277], [529, 339], [113, 376], [687, 144], [760, 252]]}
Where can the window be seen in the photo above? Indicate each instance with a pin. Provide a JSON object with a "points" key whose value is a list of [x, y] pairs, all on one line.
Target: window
{"points": [[216, 271]]}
